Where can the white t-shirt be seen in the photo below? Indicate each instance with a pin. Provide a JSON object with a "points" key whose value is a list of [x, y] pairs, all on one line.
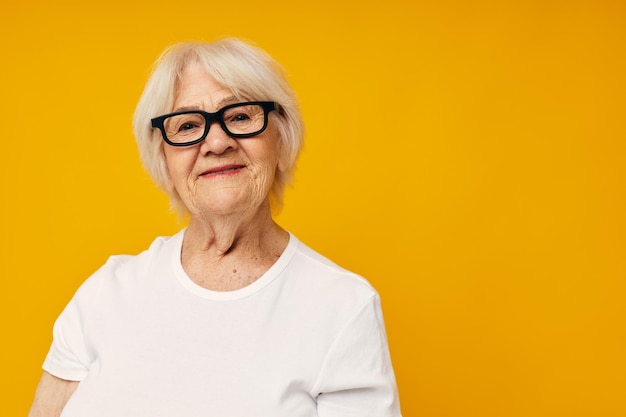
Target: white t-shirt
{"points": [[306, 339]]}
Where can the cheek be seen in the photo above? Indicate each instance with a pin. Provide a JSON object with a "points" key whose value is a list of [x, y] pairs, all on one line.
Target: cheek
{"points": [[263, 172], [261, 181], [178, 162], [266, 163]]}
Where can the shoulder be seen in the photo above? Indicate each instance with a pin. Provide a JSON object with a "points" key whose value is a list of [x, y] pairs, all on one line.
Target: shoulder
{"points": [[320, 275], [124, 269]]}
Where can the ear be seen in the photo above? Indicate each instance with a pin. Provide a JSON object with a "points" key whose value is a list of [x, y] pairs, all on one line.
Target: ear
{"points": [[283, 163], [283, 160], [164, 179]]}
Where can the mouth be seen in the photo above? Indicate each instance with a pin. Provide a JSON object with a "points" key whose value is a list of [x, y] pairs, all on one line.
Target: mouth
{"points": [[222, 170]]}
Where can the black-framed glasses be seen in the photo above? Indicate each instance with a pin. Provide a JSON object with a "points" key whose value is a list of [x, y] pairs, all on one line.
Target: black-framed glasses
{"points": [[239, 120]]}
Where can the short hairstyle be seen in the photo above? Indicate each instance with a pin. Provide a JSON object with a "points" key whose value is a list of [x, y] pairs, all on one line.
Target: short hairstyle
{"points": [[249, 72]]}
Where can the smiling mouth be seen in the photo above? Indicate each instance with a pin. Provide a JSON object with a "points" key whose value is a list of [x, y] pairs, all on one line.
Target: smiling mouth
{"points": [[222, 170]]}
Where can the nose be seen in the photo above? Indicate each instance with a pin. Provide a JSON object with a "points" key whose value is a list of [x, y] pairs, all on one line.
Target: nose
{"points": [[217, 141]]}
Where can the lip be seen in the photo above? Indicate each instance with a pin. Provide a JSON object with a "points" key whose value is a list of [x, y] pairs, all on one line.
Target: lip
{"points": [[222, 170]]}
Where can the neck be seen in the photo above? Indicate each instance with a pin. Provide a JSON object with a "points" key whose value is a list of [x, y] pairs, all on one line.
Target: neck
{"points": [[222, 235], [231, 251]]}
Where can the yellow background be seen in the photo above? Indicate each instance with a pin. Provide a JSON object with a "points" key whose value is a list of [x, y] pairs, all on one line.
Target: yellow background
{"points": [[467, 157]]}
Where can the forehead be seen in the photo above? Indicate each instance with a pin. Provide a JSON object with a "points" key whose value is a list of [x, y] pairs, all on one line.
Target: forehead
{"points": [[196, 89]]}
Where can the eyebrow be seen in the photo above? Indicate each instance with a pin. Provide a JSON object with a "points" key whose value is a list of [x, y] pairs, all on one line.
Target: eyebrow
{"points": [[223, 102]]}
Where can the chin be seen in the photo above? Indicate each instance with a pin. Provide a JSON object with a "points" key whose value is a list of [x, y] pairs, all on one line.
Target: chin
{"points": [[222, 205]]}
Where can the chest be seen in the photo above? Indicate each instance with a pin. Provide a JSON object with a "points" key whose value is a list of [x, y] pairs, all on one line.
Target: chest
{"points": [[159, 345]]}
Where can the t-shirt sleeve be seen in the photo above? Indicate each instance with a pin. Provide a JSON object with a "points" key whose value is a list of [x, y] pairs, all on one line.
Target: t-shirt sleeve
{"points": [[69, 357], [357, 377]]}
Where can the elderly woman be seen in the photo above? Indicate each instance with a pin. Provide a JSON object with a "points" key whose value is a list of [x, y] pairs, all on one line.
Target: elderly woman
{"points": [[232, 316]]}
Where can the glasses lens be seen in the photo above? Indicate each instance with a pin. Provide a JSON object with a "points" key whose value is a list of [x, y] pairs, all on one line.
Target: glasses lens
{"points": [[184, 127], [244, 119]]}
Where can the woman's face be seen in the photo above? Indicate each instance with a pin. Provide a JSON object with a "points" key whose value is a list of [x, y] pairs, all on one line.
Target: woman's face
{"points": [[221, 175]]}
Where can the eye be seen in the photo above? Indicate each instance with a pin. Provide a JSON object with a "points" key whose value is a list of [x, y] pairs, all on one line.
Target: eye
{"points": [[238, 117], [187, 126], [184, 124], [243, 115]]}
